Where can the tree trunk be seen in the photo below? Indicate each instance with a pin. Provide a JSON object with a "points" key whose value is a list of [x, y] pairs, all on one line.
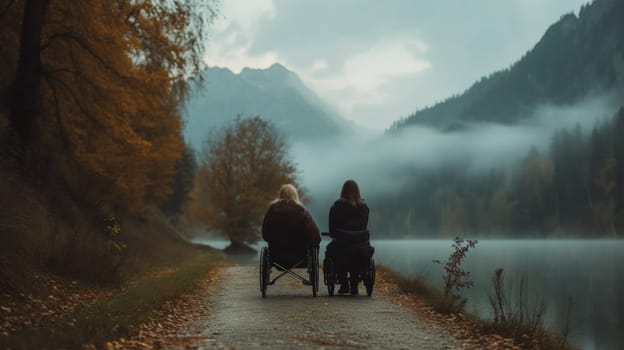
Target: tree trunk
{"points": [[557, 212], [26, 99]]}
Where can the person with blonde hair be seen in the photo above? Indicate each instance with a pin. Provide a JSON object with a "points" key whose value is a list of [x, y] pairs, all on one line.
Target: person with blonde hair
{"points": [[350, 249], [288, 192], [287, 224]]}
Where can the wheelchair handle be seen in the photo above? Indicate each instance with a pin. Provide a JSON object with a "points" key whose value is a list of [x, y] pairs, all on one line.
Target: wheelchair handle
{"points": [[345, 232]]}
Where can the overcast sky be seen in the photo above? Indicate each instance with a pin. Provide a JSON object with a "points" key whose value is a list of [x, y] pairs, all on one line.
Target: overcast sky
{"points": [[377, 61]]}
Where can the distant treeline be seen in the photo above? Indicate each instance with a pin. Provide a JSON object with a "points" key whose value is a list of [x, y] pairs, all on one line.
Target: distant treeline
{"points": [[576, 188]]}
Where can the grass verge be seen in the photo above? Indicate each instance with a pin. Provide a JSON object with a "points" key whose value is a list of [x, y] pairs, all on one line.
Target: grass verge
{"points": [[431, 295], [118, 315], [534, 337]]}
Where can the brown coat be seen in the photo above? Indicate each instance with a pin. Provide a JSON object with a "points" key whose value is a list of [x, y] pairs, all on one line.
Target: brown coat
{"points": [[286, 220]]}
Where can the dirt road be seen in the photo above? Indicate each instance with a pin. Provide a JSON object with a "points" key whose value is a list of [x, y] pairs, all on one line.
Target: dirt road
{"points": [[291, 318]]}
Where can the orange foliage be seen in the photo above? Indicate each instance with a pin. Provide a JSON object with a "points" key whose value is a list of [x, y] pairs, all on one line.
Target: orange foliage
{"points": [[113, 81]]}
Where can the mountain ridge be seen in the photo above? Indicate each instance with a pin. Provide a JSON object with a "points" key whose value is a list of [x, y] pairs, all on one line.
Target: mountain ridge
{"points": [[274, 93], [577, 56]]}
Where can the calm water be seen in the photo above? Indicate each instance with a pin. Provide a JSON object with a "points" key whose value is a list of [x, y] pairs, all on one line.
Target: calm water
{"points": [[588, 271]]}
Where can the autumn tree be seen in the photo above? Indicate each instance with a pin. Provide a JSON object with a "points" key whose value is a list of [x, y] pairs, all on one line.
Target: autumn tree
{"points": [[185, 170], [534, 191], [455, 217], [241, 170], [501, 213], [408, 221], [606, 182], [104, 80]]}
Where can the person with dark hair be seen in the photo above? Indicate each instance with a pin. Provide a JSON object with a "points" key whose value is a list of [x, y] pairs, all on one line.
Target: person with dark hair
{"points": [[350, 249]]}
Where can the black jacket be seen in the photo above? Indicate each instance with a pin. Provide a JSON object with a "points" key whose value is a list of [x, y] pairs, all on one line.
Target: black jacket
{"points": [[345, 216], [349, 251]]}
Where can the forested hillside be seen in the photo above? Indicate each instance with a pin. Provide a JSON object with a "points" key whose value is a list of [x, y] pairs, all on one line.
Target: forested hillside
{"points": [[574, 188], [577, 56], [572, 185], [90, 133]]}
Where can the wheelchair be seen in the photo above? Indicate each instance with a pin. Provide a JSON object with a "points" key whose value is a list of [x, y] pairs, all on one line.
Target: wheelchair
{"points": [[285, 259], [364, 267]]}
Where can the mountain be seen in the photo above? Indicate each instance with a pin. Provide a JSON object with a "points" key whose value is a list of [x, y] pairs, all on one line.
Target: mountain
{"points": [[576, 57], [275, 94]]}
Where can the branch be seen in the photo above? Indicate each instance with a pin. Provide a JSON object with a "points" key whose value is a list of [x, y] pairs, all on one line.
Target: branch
{"points": [[6, 8], [103, 128], [58, 112], [74, 72], [68, 88], [85, 45]]}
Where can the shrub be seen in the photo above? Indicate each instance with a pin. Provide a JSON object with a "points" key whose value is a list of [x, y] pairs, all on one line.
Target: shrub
{"points": [[518, 313], [515, 316], [455, 277]]}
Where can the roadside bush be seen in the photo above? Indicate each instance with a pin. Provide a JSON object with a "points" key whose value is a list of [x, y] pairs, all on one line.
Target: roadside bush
{"points": [[455, 277]]}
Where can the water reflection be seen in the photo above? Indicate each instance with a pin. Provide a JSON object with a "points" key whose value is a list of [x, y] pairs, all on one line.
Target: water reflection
{"points": [[587, 271]]}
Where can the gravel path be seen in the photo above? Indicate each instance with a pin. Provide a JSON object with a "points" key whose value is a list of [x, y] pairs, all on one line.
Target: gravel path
{"points": [[291, 318]]}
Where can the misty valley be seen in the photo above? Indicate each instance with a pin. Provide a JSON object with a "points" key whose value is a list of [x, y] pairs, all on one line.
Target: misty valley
{"points": [[164, 163], [529, 160], [533, 150]]}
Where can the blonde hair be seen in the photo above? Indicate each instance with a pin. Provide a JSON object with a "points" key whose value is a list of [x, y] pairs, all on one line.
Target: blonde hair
{"points": [[288, 192]]}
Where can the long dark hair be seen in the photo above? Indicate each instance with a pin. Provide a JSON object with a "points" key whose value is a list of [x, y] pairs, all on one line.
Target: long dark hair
{"points": [[351, 193]]}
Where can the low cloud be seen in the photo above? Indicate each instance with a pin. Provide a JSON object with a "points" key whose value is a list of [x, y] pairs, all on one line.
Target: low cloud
{"points": [[232, 38], [319, 65], [385, 163], [236, 56], [244, 16], [359, 81], [363, 76]]}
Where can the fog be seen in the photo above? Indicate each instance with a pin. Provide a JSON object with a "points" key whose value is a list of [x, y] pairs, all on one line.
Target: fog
{"points": [[383, 163]]}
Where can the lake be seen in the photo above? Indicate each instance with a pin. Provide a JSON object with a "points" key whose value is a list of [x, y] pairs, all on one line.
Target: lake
{"points": [[587, 271]]}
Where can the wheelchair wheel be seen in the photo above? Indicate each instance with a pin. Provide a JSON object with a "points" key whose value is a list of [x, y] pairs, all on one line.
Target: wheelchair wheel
{"points": [[330, 276], [314, 271], [264, 270], [369, 277]]}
